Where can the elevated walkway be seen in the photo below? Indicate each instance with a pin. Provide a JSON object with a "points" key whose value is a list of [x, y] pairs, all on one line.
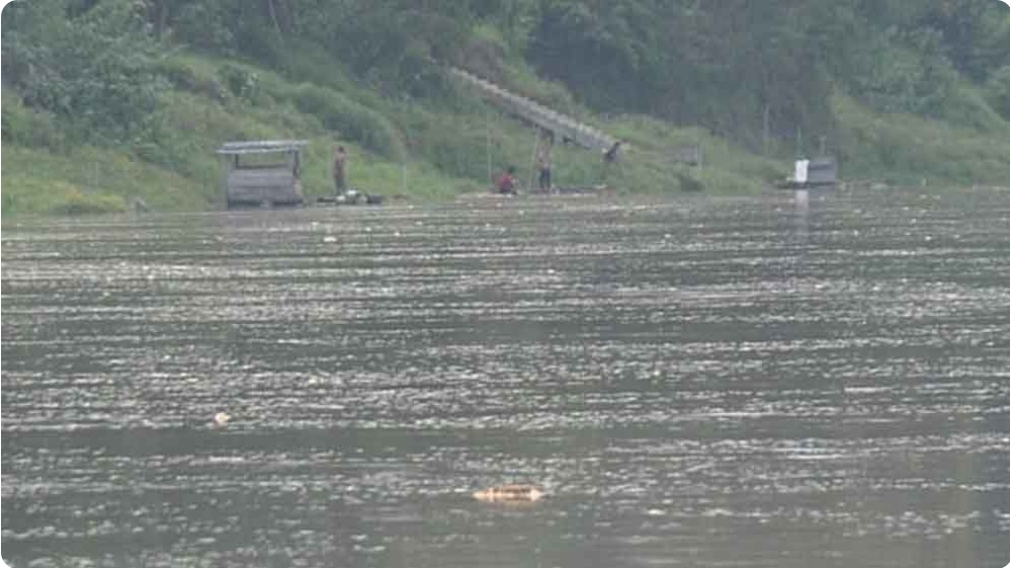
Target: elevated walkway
{"points": [[562, 126]]}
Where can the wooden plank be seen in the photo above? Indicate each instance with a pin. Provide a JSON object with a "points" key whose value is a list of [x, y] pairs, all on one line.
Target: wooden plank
{"points": [[270, 185], [563, 126], [262, 146]]}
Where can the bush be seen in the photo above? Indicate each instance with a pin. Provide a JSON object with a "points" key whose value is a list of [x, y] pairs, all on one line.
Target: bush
{"points": [[242, 83], [351, 120], [207, 25], [93, 70], [188, 77], [689, 183], [997, 91], [29, 128], [76, 202], [967, 107]]}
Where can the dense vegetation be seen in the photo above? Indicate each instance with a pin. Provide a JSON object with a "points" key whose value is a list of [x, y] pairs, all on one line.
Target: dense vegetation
{"points": [[106, 100]]}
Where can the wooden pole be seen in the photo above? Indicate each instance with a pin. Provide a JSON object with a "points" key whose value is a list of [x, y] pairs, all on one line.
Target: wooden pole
{"points": [[766, 130], [487, 124]]}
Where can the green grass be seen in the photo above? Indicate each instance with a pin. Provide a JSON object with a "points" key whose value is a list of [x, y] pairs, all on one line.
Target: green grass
{"points": [[902, 149], [433, 150], [90, 180]]}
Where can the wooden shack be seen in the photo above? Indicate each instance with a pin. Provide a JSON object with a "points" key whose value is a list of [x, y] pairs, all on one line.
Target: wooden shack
{"points": [[262, 173]]}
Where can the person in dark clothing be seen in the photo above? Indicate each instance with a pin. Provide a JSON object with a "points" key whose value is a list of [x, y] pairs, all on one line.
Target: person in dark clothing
{"points": [[544, 163], [609, 157], [340, 170]]}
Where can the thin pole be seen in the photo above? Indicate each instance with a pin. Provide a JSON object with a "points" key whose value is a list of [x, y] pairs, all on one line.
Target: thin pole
{"points": [[766, 130], [487, 125], [533, 162]]}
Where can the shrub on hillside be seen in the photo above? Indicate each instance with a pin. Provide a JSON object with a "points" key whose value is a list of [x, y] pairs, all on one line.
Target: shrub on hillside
{"points": [[188, 78], [93, 70], [997, 91], [207, 25], [24, 126], [76, 202], [351, 120]]}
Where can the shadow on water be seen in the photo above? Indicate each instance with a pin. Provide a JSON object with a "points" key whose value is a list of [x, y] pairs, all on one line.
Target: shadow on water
{"points": [[775, 381]]}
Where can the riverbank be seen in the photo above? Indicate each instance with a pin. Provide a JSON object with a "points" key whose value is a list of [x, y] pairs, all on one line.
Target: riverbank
{"points": [[427, 148]]}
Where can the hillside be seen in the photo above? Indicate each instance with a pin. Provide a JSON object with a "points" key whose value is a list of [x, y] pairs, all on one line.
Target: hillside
{"points": [[108, 100]]}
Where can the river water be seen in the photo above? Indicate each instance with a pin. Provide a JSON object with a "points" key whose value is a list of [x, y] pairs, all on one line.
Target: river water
{"points": [[704, 382]]}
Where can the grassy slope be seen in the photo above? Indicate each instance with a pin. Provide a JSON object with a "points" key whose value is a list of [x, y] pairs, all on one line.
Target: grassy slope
{"points": [[905, 150], [443, 149]]}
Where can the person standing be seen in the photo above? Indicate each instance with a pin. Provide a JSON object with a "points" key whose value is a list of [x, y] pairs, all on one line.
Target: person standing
{"points": [[609, 157], [544, 163], [340, 170]]}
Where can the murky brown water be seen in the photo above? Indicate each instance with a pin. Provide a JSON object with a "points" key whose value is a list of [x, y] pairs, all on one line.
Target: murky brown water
{"points": [[704, 382]]}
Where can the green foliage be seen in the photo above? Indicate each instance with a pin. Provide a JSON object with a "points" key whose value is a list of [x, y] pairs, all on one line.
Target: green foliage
{"points": [[689, 183], [907, 74], [726, 65], [393, 46], [241, 82], [967, 106], [36, 181], [997, 91], [26, 127], [350, 119], [76, 202], [92, 71], [207, 25], [101, 93], [183, 74], [903, 148], [61, 198]]}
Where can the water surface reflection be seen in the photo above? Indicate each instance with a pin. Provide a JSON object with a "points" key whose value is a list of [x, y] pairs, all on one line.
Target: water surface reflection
{"points": [[749, 381]]}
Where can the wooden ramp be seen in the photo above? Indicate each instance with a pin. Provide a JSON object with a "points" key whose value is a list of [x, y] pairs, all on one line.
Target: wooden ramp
{"points": [[563, 126]]}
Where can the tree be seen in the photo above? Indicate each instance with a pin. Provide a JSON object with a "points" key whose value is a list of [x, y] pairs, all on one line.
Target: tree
{"points": [[90, 67]]}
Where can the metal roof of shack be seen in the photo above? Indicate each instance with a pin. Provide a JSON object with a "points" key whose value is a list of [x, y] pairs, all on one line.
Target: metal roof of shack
{"points": [[262, 146]]}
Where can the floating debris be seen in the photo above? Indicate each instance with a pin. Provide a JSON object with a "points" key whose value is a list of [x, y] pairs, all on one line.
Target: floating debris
{"points": [[221, 419], [510, 494]]}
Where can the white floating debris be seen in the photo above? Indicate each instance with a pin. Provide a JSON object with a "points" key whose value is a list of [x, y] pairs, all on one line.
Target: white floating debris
{"points": [[221, 419], [330, 239], [510, 494]]}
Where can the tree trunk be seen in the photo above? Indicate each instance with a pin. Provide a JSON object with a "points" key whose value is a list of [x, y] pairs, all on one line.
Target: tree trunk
{"points": [[161, 17]]}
